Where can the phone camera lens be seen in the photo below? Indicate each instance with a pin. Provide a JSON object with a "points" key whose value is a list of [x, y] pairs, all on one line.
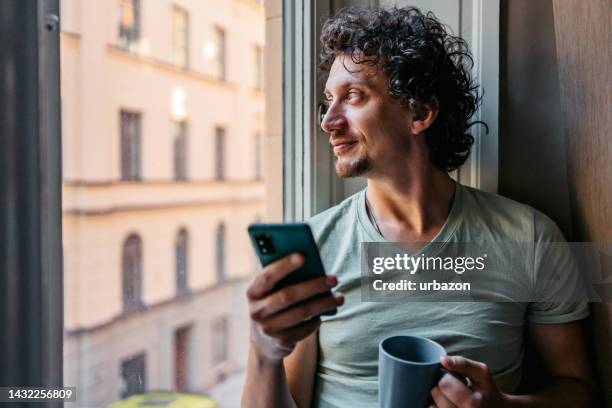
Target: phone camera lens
{"points": [[264, 243]]}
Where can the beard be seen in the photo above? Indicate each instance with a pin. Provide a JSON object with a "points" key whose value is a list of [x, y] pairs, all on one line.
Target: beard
{"points": [[353, 167]]}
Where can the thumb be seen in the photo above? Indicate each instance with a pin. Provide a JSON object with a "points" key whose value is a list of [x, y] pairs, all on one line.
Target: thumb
{"points": [[477, 372]]}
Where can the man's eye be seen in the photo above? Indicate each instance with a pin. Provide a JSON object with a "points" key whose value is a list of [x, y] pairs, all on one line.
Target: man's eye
{"points": [[353, 95]]}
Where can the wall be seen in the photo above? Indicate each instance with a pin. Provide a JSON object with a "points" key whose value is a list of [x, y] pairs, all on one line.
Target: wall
{"points": [[555, 148]]}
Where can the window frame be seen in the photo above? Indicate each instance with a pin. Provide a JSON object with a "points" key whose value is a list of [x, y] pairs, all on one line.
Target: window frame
{"points": [[31, 280]]}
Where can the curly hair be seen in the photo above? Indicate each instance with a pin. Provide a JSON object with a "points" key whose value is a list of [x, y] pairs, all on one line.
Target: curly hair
{"points": [[426, 66]]}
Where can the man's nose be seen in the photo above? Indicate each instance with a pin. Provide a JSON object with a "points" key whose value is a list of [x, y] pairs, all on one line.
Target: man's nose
{"points": [[333, 119]]}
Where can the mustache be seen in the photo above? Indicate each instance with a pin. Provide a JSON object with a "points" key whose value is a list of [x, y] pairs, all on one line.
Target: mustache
{"points": [[344, 136]]}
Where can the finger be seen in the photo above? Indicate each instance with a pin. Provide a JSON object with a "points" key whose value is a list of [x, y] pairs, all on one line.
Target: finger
{"points": [[455, 391], [477, 372], [291, 295], [272, 273], [440, 399], [299, 313], [291, 336]]}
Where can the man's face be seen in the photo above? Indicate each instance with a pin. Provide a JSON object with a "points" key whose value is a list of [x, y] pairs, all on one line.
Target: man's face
{"points": [[367, 128]]}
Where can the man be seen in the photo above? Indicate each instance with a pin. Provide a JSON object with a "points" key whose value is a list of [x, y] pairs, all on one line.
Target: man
{"points": [[399, 103]]}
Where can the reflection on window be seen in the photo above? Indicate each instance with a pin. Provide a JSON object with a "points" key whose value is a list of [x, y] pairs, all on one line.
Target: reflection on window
{"points": [[219, 41], [180, 150], [220, 252], [258, 72], [182, 357], [219, 153], [129, 23], [133, 375], [219, 340], [180, 250], [180, 36], [132, 273], [258, 143], [130, 145]]}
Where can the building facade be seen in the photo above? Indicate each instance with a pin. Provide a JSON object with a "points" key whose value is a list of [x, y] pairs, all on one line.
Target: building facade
{"points": [[162, 122]]}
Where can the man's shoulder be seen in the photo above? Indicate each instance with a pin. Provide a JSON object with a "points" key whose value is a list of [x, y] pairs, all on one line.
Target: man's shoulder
{"points": [[509, 216], [336, 217]]}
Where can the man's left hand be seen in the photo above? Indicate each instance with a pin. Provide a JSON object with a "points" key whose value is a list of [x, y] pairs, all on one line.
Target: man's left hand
{"points": [[453, 393]]}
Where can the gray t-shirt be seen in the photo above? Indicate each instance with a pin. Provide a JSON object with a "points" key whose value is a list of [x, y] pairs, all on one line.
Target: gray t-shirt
{"points": [[489, 332]]}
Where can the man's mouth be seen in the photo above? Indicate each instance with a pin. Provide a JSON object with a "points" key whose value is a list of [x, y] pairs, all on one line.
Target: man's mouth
{"points": [[343, 146]]}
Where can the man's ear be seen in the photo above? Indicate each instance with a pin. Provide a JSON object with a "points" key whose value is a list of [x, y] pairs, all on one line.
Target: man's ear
{"points": [[423, 118]]}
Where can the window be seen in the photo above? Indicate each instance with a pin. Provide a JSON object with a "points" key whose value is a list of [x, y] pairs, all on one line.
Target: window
{"points": [[132, 273], [181, 257], [129, 23], [219, 153], [220, 252], [130, 145], [219, 340], [258, 64], [179, 175], [133, 375], [180, 150], [180, 36], [182, 356], [219, 41], [258, 152]]}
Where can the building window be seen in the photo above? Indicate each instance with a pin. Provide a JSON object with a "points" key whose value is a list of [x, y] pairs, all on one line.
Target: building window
{"points": [[133, 374], [219, 340], [257, 153], [219, 153], [180, 150], [132, 272], [220, 65], [129, 23], [130, 145], [220, 252], [181, 257], [180, 36], [182, 356], [258, 64]]}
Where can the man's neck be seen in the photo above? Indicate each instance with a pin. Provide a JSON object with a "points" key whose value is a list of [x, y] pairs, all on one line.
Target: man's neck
{"points": [[411, 209]]}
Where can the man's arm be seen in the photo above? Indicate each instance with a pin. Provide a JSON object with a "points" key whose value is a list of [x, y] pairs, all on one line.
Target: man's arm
{"points": [[284, 323], [301, 366], [563, 355], [562, 350], [274, 384]]}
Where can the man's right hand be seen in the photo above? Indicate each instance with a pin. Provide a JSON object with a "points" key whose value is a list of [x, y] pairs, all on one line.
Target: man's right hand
{"points": [[277, 321]]}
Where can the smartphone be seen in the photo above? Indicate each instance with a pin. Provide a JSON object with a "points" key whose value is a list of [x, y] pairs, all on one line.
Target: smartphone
{"points": [[275, 241]]}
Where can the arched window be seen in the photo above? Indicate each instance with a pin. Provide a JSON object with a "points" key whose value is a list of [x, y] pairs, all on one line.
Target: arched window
{"points": [[220, 252], [132, 272], [180, 255]]}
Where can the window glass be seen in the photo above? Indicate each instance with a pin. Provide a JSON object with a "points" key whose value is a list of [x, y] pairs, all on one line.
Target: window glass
{"points": [[220, 153], [164, 144], [180, 36], [180, 150], [130, 145], [182, 246], [219, 50], [129, 23]]}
